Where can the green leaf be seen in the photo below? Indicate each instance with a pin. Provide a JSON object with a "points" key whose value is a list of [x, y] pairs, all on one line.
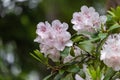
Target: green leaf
{"points": [[81, 73], [48, 77], [86, 33], [39, 56], [36, 57], [83, 35], [115, 26], [58, 76], [61, 71], [109, 74], [68, 77], [95, 72], [92, 72], [72, 51], [115, 12], [98, 73], [77, 39], [111, 13], [102, 35], [73, 68], [65, 52], [87, 46], [117, 75]]}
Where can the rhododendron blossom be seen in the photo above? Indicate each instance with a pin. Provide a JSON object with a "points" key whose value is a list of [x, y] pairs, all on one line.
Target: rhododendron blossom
{"points": [[77, 77], [111, 52], [53, 38], [87, 20]]}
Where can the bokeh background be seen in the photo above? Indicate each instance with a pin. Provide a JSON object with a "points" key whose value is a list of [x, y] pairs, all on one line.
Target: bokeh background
{"points": [[18, 20]]}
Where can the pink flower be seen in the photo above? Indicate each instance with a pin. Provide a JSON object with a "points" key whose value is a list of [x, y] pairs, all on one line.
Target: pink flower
{"points": [[52, 53], [53, 38], [87, 20], [59, 27], [110, 54], [68, 58], [78, 77]]}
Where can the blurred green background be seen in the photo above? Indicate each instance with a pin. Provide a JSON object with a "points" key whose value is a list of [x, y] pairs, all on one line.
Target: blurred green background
{"points": [[18, 20]]}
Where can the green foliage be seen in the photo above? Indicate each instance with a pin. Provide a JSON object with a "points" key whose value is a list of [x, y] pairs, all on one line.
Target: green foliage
{"points": [[65, 52], [72, 51], [95, 73], [117, 75], [48, 77], [115, 13], [113, 27], [40, 57], [82, 73], [102, 35], [109, 74], [73, 68], [76, 38], [68, 77], [58, 76], [87, 46]]}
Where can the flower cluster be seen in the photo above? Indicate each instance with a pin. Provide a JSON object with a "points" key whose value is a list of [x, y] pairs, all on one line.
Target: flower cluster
{"points": [[111, 52], [81, 54], [53, 38], [87, 20]]}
